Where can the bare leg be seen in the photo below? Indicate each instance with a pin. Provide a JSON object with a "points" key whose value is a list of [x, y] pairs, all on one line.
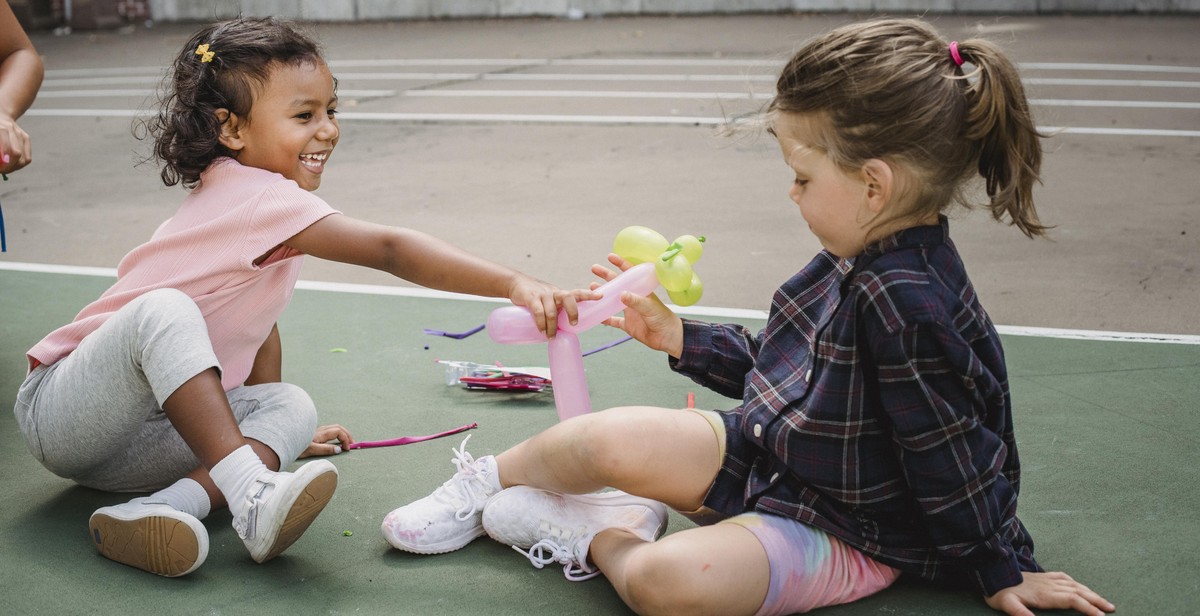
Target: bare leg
{"points": [[668, 455], [718, 569], [199, 411]]}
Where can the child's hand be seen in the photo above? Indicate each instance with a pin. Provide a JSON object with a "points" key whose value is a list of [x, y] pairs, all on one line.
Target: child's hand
{"points": [[544, 300], [15, 149], [321, 445], [1054, 591], [648, 320]]}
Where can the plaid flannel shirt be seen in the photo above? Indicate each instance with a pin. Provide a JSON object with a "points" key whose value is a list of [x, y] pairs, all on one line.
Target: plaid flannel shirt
{"points": [[875, 406]]}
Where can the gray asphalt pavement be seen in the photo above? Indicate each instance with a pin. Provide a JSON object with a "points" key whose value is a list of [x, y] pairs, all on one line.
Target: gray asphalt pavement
{"points": [[533, 142]]}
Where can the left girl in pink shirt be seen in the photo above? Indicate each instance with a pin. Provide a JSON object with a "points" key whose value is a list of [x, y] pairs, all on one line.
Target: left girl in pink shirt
{"points": [[170, 381]]}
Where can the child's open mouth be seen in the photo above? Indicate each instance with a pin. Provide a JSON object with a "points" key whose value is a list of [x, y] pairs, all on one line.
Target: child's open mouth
{"points": [[314, 162]]}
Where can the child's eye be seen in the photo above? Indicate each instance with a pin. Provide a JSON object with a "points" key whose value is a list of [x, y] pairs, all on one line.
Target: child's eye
{"points": [[331, 112], [799, 182], [304, 116]]}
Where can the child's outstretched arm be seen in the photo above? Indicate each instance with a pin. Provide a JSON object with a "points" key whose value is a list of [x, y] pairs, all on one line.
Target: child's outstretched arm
{"points": [[1050, 591], [648, 320], [21, 74], [430, 262]]}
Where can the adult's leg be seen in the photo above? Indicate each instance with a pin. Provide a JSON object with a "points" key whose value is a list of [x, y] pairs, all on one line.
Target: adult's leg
{"points": [[669, 455]]}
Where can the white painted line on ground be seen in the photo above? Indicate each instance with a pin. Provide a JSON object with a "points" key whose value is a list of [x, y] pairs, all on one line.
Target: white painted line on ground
{"points": [[1059, 102], [628, 94], [732, 313], [1123, 132], [518, 118], [1117, 83], [585, 77], [534, 62], [452, 93], [144, 92], [1117, 68], [87, 113], [1088, 334], [117, 80]]}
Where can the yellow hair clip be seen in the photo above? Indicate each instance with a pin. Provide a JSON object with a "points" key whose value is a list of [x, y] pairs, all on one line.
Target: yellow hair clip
{"points": [[204, 53]]}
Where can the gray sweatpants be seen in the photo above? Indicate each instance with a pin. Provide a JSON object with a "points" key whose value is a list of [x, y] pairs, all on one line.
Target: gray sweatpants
{"points": [[96, 415]]}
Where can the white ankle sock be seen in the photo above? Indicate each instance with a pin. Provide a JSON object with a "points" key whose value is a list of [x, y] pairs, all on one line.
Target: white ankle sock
{"points": [[235, 475], [184, 495]]}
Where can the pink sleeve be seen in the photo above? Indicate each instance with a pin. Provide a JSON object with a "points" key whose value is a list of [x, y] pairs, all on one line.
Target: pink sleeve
{"points": [[283, 210]]}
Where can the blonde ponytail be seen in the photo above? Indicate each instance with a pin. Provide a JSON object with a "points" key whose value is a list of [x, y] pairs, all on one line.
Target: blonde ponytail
{"points": [[999, 120]]}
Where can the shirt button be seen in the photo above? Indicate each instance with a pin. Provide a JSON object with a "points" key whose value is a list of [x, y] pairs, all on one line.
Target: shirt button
{"points": [[774, 477], [808, 375], [757, 430]]}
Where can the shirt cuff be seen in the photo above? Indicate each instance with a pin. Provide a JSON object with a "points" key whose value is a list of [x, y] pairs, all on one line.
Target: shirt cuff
{"points": [[697, 348], [998, 575]]}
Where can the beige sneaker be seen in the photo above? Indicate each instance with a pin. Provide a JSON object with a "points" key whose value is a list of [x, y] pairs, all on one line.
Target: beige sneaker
{"points": [[281, 506], [152, 537]]}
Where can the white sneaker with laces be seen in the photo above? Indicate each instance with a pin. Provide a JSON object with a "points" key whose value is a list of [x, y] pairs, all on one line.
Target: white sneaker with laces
{"points": [[547, 527], [450, 517], [150, 536], [279, 507]]}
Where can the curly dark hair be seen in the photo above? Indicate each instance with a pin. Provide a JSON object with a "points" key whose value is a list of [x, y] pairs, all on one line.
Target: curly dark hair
{"points": [[186, 130]]}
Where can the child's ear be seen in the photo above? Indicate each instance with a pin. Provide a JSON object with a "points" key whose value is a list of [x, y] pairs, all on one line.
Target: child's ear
{"points": [[230, 136], [881, 183]]}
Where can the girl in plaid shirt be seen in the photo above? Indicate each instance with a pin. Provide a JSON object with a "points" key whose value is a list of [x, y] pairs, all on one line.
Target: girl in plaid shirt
{"points": [[875, 432]]}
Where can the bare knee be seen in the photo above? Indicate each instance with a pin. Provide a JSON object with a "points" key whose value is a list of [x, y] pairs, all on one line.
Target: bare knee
{"points": [[659, 581], [611, 443]]}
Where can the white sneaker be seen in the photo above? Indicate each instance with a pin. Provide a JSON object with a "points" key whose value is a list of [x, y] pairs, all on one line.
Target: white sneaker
{"points": [[547, 527], [150, 536], [280, 507], [450, 517]]}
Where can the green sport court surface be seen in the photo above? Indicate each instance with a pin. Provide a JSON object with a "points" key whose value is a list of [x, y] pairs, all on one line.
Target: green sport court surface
{"points": [[1107, 431]]}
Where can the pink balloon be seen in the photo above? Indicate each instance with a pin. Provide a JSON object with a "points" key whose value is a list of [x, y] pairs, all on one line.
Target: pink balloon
{"points": [[515, 325], [568, 382]]}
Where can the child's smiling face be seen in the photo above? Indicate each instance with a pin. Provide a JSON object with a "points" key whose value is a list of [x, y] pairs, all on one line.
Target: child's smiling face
{"points": [[292, 128]]}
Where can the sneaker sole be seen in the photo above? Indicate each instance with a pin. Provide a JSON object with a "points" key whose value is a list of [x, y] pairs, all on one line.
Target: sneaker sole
{"points": [[162, 545], [606, 499], [306, 504], [621, 498]]}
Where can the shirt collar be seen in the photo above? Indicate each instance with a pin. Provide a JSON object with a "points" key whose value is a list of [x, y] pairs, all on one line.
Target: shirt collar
{"points": [[912, 237]]}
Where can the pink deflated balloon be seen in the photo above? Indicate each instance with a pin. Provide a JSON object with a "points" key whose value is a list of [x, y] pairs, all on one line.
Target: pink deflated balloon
{"points": [[515, 325]]}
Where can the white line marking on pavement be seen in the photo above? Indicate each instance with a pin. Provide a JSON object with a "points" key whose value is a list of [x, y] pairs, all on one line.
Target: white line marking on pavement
{"points": [[628, 94], [535, 62], [735, 313], [517, 118]]}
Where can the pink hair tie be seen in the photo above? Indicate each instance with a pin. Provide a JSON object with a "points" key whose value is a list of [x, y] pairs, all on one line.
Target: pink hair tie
{"points": [[958, 60]]}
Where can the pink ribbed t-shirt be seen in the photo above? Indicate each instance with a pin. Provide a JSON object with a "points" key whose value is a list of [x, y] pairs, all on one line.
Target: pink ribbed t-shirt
{"points": [[207, 250]]}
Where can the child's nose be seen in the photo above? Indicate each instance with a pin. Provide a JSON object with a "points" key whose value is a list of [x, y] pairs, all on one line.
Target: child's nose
{"points": [[329, 130]]}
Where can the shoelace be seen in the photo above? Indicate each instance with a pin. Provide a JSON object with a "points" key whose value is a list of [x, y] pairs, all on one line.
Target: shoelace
{"points": [[246, 524], [468, 485], [564, 547]]}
